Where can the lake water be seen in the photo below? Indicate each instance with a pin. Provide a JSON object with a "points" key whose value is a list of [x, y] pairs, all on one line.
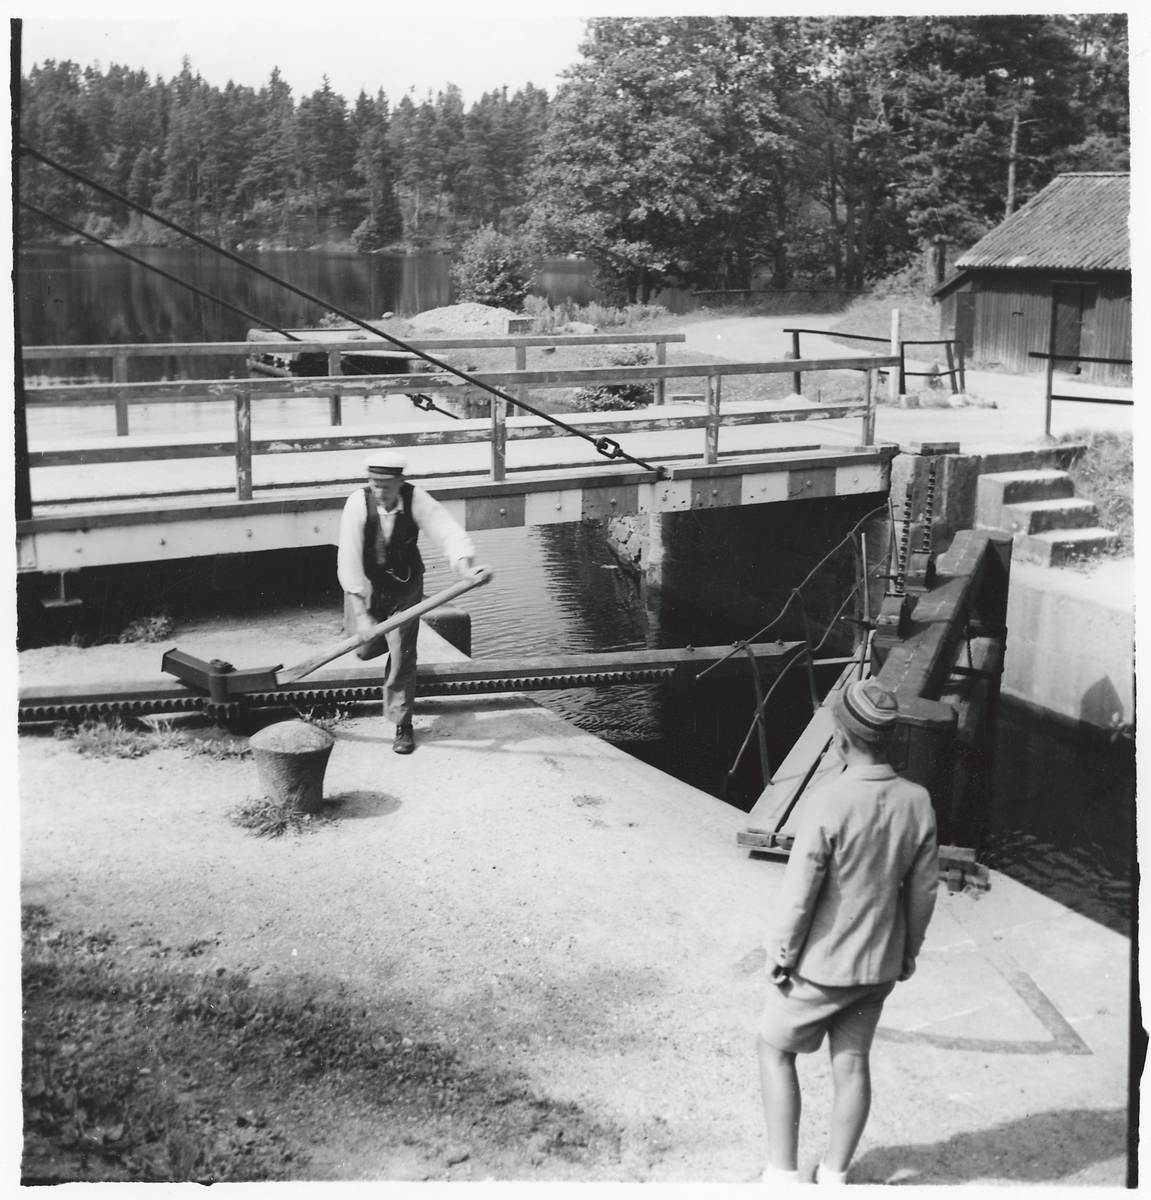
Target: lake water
{"points": [[86, 295]]}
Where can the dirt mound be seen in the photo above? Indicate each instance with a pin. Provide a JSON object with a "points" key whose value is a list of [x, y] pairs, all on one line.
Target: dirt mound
{"points": [[462, 318]]}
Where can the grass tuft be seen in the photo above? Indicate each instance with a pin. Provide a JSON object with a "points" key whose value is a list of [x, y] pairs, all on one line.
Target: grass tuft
{"points": [[1105, 475], [111, 737], [271, 819], [328, 717], [107, 739], [157, 628], [220, 749]]}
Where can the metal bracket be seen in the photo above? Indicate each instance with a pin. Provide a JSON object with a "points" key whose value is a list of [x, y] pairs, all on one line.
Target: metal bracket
{"points": [[894, 614], [219, 679]]}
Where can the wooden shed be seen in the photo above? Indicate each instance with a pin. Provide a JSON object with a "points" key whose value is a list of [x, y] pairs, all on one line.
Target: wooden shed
{"points": [[1054, 277]]}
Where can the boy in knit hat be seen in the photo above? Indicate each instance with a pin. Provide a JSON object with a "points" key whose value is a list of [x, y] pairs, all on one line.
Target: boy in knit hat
{"points": [[850, 919]]}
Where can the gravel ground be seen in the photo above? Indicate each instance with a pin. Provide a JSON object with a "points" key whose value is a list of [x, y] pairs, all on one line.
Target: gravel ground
{"points": [[516, 890]]}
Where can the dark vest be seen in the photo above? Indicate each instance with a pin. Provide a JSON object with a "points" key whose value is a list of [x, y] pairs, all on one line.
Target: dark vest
{"points": [[392, 565]]}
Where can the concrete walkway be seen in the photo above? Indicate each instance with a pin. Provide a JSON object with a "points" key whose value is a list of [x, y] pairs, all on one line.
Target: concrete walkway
{"points": [[551, 906]]}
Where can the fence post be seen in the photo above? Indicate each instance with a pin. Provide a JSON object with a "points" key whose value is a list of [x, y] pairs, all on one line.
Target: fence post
{"points": [[962, 363], [243, 444], [950, 365], [521, 365], [335, 401], [1047, 399], [711, 430], [869, 380], [499, 438], [661, 359], [796, 376], [120, 375], [895, 374]]}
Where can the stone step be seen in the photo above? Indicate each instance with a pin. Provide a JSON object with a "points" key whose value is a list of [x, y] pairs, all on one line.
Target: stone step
{"points": [[1040, 516], [1001, 488], [1058, 546]]}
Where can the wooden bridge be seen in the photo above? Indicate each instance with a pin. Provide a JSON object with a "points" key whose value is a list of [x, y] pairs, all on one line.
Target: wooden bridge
{"points": [[142, 497]]}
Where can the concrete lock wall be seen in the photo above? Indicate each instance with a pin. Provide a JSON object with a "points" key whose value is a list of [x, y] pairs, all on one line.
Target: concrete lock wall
{"points": [[706, 571], [1068, 650], [1070, 641]]}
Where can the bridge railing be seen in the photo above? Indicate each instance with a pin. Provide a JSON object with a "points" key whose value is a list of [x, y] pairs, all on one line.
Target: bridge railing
{"points": [[1049, 389], [497, 432], [335, 349]]}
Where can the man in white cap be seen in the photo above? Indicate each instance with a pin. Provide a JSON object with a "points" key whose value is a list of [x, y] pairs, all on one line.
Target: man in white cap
{"points": [[849, 922], [381, 571]]}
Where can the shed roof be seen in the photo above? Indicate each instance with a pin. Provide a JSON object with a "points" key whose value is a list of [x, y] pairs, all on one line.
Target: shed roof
{"points": [[1077, 222]]}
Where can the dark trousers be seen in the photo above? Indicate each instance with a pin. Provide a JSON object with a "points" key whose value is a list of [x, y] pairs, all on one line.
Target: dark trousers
{"points": [[400, 682]]}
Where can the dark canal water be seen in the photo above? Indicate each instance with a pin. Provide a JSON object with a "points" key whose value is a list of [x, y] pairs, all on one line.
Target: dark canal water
{"points": [[1062, 812]]}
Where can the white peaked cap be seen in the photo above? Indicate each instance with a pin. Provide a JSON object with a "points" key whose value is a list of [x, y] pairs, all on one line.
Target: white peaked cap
{"points": [[386, 462]]}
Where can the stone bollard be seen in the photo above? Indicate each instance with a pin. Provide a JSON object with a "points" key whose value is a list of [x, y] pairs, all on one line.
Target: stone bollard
{"points": [[290, 760]]}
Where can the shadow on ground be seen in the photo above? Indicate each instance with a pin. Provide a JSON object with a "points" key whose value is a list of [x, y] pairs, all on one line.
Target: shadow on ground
{"points": [[359, 805], [1044, 1148]]}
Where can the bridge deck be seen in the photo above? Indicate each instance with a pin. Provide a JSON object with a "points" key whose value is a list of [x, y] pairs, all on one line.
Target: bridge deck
{"points": [[98, 532]]}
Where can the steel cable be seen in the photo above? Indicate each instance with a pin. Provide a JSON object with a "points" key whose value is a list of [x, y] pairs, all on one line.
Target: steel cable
{"points": [[604, 445]]}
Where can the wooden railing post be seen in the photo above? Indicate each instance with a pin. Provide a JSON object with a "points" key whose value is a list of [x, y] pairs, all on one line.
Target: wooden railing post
{"points": [[661, 360], [711, 429], [499, 438], [120, 375], [521, 365], [950, 366], [243, 444], [959, 350], [797, 376], [335, 400], [869, 381], [895, 374], [1049, 389]]}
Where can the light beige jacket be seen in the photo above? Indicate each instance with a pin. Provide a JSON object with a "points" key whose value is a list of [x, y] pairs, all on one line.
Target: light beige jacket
{"points": [[860, 884]]}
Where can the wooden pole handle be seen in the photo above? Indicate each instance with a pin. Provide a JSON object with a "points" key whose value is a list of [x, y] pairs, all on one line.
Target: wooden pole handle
{"points": [[292, 674]]}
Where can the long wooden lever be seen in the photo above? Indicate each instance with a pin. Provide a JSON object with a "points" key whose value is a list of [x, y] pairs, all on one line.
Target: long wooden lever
{"points": [[417, 610]]}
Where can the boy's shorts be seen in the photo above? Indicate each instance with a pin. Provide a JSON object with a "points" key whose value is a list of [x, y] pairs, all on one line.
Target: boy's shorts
{"points": [[799, 1013]]}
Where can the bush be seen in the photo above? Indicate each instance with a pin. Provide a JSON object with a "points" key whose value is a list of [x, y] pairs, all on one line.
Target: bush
{"points": [[492, 269], [614, 396], [546, 319]]}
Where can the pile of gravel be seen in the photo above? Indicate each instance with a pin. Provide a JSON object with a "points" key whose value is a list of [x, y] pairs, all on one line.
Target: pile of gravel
{"points": [[462, 319]]}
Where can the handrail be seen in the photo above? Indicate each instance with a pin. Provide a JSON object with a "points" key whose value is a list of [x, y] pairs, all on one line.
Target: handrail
{"points": [[859, 337], [954, 370], [461, 433], [591, 427], [323, 385], [354, 345], [1118, 362], [1050, 395]]}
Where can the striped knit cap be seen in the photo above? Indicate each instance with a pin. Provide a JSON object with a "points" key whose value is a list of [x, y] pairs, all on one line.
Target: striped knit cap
{"points": [[867, 709]]}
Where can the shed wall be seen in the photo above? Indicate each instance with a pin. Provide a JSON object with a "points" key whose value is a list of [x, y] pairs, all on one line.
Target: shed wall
{"points": [[1012, 316]]}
